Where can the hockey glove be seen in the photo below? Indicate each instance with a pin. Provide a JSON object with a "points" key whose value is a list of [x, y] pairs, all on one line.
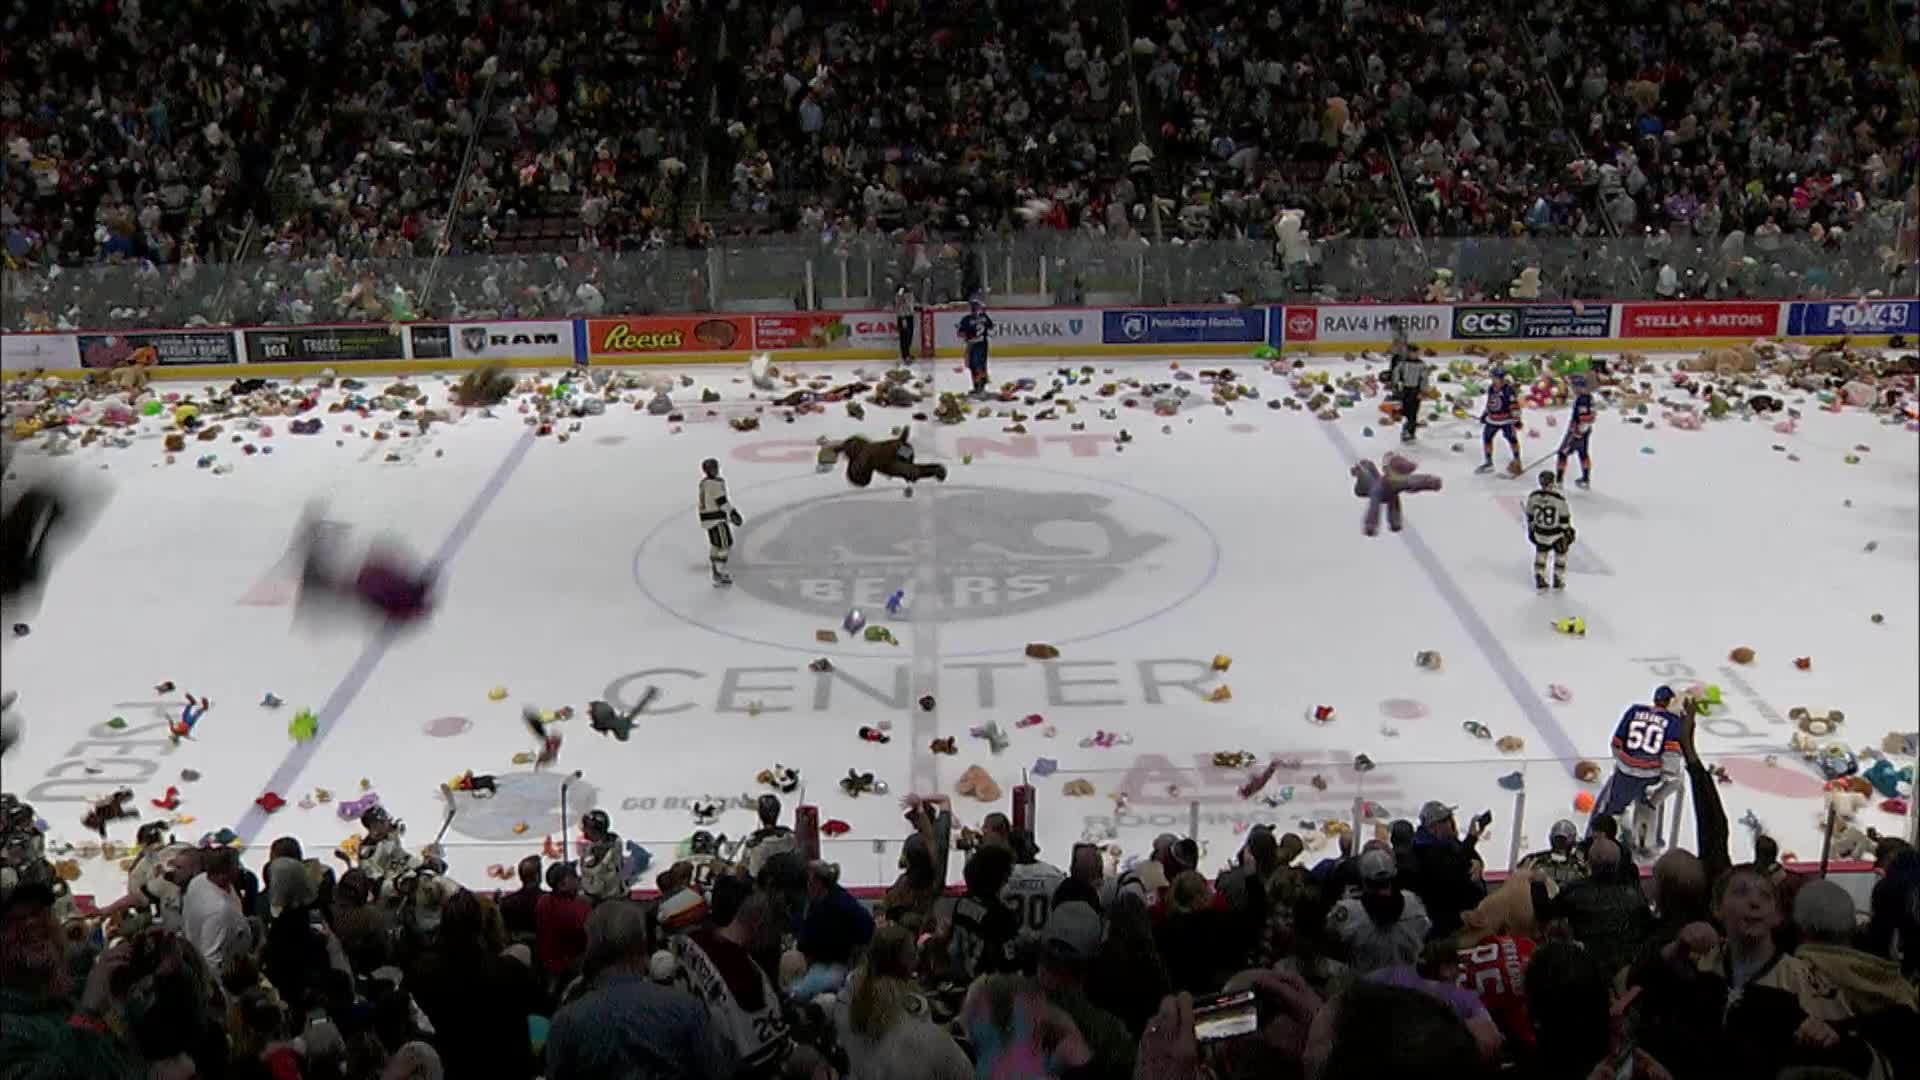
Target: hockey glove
{"points": [[734, 516]]}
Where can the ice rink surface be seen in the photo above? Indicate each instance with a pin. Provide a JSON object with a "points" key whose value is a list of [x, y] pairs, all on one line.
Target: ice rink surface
{"points": [[578, 571]]}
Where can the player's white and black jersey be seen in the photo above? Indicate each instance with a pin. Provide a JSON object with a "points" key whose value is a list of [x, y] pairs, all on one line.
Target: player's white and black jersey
{"points": [[715, 511], [1029, 895], [1548, 517]]}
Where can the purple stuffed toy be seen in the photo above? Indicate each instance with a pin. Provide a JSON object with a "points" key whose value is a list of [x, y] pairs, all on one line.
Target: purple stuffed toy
{"points": [[1384, 488]]}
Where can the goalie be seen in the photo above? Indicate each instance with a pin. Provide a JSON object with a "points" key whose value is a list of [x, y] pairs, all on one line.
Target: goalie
{"points": [[890, 457]]}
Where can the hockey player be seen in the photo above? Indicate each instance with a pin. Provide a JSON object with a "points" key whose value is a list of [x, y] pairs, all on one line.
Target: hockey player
{"points": [[903, 309], [1407, 378], [1563, 863], [1550, 527], [383, 856], [1646, 748], [1579, 429], [889, 457], [719, 518], [976, 326], [1502, 416], [602, 866], [704, 862], [770, 839]]}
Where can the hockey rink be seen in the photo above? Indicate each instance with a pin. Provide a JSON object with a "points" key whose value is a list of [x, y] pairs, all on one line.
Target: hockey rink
{"points": [[577, 570]]}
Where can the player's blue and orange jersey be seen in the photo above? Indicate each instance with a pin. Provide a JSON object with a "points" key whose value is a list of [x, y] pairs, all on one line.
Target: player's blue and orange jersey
{"points": [[975, 327], [1644, 736], [1580, 423], [1500, 404]]}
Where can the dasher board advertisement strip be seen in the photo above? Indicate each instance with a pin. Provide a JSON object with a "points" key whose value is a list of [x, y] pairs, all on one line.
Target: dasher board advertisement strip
{"points": [[325, 344]]}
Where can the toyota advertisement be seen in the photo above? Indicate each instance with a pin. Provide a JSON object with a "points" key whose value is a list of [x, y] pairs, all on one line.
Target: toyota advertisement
{"points": [[1304, 324]]}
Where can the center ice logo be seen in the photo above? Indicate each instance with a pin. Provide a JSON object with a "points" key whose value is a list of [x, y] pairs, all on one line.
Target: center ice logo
{"points": [[995, 552]]}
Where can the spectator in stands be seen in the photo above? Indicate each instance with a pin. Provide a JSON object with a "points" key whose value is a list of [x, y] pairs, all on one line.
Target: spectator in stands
{"points": [[1893, 929], [984, 930], [1446, 867], [211, 913], [362, 926], [299, 949], [43, 1030], [477, 1000], [716, 962], [1883, 1006], [1607, 915], [517, 908], [1015, 1031], [1385, 925], [1085, 871], [1070, 945], [1195, 937], [770, 839], [923, 862], [885, 1024], [560, 925], [1436, 975], [835, 928], [1569, 1005], [1563, 863], [625, 1025]]}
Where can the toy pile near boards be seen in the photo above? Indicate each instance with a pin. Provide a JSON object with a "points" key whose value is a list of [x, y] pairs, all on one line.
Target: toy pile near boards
{"points": [[1757, 381]]}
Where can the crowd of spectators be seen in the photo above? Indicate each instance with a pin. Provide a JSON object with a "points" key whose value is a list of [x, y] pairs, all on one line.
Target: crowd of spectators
{"points": [[1432, 149], [1396, 959]]}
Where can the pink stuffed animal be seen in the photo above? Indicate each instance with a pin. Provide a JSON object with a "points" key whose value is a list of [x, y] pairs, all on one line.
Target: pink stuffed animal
{"points": [[1384, 488]]}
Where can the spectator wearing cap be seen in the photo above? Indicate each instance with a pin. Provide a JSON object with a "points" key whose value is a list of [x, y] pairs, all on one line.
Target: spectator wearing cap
{"points": [[1446, 868], [884, 1023], [1563, 863], [560, 925], [44, 1035], [1070, 944], [1385, 925], [625, 1024], [1606, 914], [1884, 1005], [211, 914]]}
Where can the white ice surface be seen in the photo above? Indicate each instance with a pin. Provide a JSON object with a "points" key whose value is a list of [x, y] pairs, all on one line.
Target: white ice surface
{"points": [[1235, 534]]}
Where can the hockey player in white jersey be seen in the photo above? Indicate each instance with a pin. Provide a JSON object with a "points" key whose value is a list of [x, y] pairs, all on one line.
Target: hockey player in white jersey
{"points": [[1029, 891], [719, 518], [1550, 527]]}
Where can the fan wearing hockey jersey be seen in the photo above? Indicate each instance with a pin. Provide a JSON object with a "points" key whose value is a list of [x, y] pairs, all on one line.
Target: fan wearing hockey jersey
{"points": [[1646, 748], [1407, 379], [1502, 417], [602, 872], [1579, 430], [888, 457], [976, 326], [1550, 527], [1029, 891], [719, 518]]}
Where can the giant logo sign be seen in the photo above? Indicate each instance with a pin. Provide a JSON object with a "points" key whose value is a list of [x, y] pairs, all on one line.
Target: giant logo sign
{"points": [[1016, 542]]}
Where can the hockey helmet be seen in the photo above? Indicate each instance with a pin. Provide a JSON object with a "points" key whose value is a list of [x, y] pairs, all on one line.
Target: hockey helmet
{"points": [[1662, 695], [1577, 380], [150, 834], [375, 816], [976, 303], [596, 823], [1497, 372], [702, 843], [1549, 478], [1563, 835], [711, 467], [768, 808]]}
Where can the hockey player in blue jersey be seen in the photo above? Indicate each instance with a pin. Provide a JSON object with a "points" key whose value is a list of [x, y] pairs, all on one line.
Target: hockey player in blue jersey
{"points": [[976, 326], [1579, 429], [1646, 748], [1503, 417]]}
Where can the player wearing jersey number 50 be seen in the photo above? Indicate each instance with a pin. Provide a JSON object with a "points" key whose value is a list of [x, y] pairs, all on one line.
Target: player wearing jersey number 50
{"points": [[1646, 746]]}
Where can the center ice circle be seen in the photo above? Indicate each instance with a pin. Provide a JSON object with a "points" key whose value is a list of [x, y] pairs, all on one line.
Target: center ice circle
{"points": [[1065, 556], [532, 798]]}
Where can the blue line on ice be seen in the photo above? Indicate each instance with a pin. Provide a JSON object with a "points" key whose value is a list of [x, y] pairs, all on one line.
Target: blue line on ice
{"points": [[1524, 694], [356, 678]]}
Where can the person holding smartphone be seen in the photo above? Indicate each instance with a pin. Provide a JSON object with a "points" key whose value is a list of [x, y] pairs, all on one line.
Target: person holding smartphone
{"points": [[1446, 866]]}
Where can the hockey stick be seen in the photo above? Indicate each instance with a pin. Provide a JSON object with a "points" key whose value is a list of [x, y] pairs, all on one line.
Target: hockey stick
{"points": [[446, 792], [566, 827], [1525, 469]]}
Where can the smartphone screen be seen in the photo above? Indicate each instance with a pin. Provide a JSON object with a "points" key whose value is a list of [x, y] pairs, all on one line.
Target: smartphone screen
{"points": [[1226, 1016]]}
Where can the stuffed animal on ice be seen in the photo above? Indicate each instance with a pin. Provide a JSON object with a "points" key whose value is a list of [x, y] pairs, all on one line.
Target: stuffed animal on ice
{"points": [[1850, 841], [1383, 488], [889, 457]]}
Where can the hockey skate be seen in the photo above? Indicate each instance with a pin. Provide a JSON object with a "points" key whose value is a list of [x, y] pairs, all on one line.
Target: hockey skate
{"points": [[1559, 581], [1540, 583], [1484, 468], [721, 579], [1583, 483]]}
